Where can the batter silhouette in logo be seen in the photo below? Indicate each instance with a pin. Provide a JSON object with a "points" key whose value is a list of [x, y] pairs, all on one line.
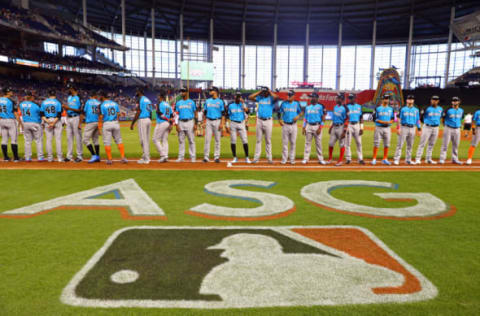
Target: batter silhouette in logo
{"points": [[237, 267]]}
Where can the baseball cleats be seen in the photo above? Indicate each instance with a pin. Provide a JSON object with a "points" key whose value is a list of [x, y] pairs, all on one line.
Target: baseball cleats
{"points": [[94, 159], [431, 162], [457, 162], [62, 160], [234, 160], [247, 160], [217, 160], [78, 160], [348, 162], [28, 160], [66, 160], [328, 162], [143, 162], [255, 161], [440, 162], [304, 161], [361, 162], [322, 162], [193, 160], [409, 162], [270, 162], [283, 162], [396, 162], [206, 160], [374, 162], [418, 162], [50, 160], [41, 160], [162, 160], [292, 162], [124, 160], [386, 162], [469, 162], [179, 160], [338, 164], [109, 162]]}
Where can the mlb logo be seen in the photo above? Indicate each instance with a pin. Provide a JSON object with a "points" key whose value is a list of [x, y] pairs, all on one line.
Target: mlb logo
{"points": [[238, 267]]}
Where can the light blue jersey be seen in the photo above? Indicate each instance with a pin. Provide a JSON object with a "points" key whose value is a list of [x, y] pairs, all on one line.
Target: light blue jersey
{"points": [[340, 114], [51, 108], [164, 110], [109, 110], [476, 118], [384, 113], [453, 117], [354, 112], [30, 112], [432, 116], [265, 106], [74, 103], [214, 108], [185, 109], [7, 108], [236, 112], [91, 110], [410, 116], [314, 113], [146, 108], [289, 110]]}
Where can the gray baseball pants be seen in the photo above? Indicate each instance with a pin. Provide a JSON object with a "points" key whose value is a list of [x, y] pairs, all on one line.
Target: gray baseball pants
{"points": [[336, 135], [383, 134], [73, 132], [289, 136], [144, 132], [91, 133], [310, 134], [160, 139], [50, 133], [453, 135], [186, 130], [240, 129], [212, 128], [429, 134], [353, 132], [9, 130], [264, 128], [407, 134], [111, 129], [33, 132]]}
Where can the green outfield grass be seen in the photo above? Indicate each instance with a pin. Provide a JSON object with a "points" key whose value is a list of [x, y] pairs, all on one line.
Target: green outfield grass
{"points": [[133, 150], [39, 255]]}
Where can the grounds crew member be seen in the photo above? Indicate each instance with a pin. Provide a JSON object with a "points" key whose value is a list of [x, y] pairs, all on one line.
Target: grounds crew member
{"points": [[110, 127], [431, 121], [74, 132], [266, 101], [144, 116], [313, 125], [8, 126], [163, 127], [187, 114], [355, 130], [452, 120], [475, 136], [237, 113], [467, 124], [339, 128], [383, 116], [91, 132], [213, 110], [32, 127], [288, 115], [51, 112], [409, 117]]}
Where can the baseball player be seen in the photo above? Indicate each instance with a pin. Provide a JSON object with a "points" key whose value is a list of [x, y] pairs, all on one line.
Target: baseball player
{"points": [[144, 116], [32, 128], [213, 109], [313, 125], [339, 128], [9, 118], [237, 113], [355, 129], [475, 136], [187, 114], [452, 120], [383, 116], [431, 121], [91, 133], [266, 100], [288, 115], [110, 127], [74, 109], [409, 117], [163, 127], [51, 112]]}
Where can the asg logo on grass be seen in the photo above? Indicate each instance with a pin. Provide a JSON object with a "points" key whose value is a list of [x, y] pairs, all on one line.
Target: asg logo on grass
{"points": [[134, 203], [236, 267]]}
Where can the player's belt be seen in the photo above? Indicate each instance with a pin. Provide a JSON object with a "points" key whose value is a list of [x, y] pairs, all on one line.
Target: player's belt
{"points": [[408, 125], [188, 120], [239, 122], [453, 127], [215, 119], [383, 125], [338, 124], [72, 115], [431, 125], [353, 123], [313, 124], [265, 118], [291, 123]]}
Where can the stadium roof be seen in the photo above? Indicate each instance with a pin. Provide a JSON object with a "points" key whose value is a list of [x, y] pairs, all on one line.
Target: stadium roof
{"points": [[431, 18]]}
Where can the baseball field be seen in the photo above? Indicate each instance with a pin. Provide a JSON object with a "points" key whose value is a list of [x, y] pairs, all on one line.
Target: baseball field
{"points": [[238, 241]]}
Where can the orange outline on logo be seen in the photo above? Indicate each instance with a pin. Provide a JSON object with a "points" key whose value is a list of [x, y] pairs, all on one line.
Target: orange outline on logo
{"points": [[123, 212], [448, 213], [233, 218]]}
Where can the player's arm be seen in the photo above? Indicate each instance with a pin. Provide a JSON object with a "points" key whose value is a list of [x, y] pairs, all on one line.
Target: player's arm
{"points": [[444, 115], [135, 118], [253, 96], [279, 115], [273, 95], [299, 112], [345, 123], [419, 124], [16, 112]]}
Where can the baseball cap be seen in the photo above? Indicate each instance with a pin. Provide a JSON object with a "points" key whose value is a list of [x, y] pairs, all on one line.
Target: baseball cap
{"points": [[28, 93], [52, 92], [139, 90], [341, 96], [238, 93], [410, 96], [162, 94], [183, 90], [435, 97], [352, 96], [386, 96], [264, 88], [291, 92], [313, 95], [213, 89], [455, 98]]}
